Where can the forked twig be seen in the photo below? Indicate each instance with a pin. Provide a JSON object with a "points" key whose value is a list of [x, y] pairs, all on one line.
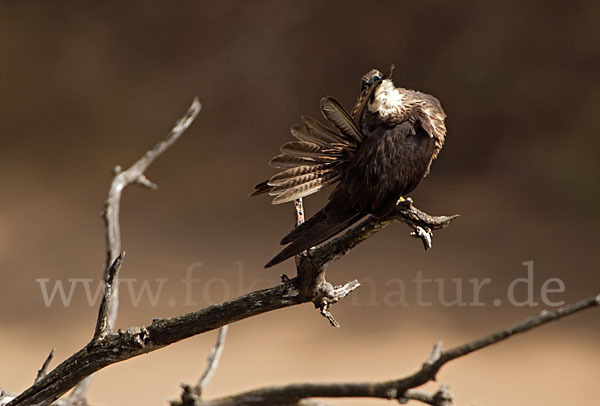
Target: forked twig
{"points": [[42, 371]]}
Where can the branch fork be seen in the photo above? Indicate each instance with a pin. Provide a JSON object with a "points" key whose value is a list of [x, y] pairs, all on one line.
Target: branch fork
{"points": [[332, 294], [312, 264]]}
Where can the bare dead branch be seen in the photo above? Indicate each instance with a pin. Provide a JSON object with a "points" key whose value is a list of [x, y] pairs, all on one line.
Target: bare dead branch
{"points": [[122, 345], [134, 175], [42, 371], [122, 179], [332, 294], [107, 314], [399, 389], [422, 224], [116, 347], [312, 264]]}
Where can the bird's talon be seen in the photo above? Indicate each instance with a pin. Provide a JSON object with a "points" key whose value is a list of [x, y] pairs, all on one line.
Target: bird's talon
{"points": [[404, 202]]}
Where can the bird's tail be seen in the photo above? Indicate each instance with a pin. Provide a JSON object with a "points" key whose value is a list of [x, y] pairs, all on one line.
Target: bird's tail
{"points": [[315, 230]]}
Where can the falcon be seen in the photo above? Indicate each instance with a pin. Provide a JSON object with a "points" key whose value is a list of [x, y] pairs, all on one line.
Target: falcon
{"points": [[374, 157]]}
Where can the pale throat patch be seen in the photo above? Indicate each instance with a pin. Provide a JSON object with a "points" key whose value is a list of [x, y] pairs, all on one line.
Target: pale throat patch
{"points": [[387, 100]]}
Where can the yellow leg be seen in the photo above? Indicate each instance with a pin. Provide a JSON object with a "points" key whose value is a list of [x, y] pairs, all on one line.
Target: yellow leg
{"points": [[404, 200]]}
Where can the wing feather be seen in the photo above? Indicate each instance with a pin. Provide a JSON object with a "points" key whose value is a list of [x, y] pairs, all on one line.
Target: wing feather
{"points": [[315, 160], [303, 133], [301, 149], [287, 161], [289, 183], [304, 189], [292, 173], [333, 111], [316, 127], [305, 149]]}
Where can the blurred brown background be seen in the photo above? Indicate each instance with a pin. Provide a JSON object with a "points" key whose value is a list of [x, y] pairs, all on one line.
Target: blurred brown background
{"points": [[87, 85]]}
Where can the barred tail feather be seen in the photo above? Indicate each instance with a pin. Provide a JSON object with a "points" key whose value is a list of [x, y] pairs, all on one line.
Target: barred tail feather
{"points": [[295, 173], [333, 111], [284, 195], [318, 130], [286, 161], [302, 149]]}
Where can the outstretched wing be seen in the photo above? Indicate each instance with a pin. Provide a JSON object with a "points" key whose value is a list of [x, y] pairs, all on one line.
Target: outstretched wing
{"points": [[321, 153], [333, 111], [318, 156]]}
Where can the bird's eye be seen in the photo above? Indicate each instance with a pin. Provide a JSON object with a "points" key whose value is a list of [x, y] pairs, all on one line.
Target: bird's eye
{"points": [[374, 78]]}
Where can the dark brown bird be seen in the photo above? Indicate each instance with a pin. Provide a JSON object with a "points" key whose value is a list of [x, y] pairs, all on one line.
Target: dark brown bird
{"points": [[376, 156]]}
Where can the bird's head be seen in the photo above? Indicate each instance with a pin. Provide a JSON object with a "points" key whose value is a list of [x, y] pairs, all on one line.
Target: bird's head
{"points": [[368, 82], [369, 78], [378, 96], [374, 77], [385, 98]]}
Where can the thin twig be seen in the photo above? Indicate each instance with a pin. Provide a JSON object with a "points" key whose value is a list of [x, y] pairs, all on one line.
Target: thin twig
{"points": [[42, 371], [299, 206], [213, 361], [333, 294], [191, 395], [545, 316], [436, 353], [102, 324], [443, 397]]}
